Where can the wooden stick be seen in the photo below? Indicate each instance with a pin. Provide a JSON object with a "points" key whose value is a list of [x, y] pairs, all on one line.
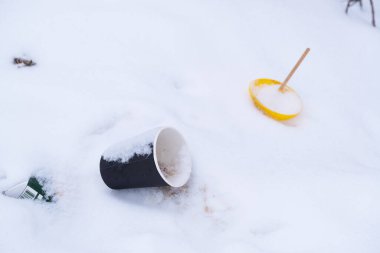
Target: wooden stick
{"points": [[282, 87]]}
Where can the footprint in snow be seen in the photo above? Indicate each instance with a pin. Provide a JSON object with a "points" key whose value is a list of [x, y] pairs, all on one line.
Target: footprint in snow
{"points": [[266, 229], [107, 124]]}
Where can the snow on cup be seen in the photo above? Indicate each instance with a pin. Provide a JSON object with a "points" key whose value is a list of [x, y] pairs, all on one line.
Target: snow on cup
{"points": [[158, 157]]}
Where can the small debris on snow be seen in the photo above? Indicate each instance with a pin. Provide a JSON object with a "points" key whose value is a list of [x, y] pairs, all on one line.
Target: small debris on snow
{"points": [[23, 62]]}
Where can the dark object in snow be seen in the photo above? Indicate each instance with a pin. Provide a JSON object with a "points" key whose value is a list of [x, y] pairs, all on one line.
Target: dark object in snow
{"points": [[144, 161], [352, 2], [31, 189], [25, 62]]}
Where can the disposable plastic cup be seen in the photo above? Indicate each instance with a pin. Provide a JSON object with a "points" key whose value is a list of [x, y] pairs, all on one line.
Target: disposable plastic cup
{"points": [[159, 157], [29, 189]]}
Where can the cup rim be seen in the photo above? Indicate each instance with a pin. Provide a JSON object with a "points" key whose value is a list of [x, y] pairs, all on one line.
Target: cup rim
{"points": [[155, 158]]}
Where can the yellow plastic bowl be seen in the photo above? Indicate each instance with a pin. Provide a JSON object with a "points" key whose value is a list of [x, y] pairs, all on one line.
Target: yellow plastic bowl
{"points": [[273, 114]]}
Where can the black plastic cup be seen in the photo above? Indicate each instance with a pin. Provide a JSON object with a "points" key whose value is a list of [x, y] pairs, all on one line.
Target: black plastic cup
{"points": [[158, 157]]}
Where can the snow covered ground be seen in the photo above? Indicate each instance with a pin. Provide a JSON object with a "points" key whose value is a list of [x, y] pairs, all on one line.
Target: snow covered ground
{"points": [[108, 70]]}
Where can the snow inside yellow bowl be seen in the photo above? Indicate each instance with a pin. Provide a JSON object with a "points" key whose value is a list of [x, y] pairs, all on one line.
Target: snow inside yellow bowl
{"points": [[282, 106]]}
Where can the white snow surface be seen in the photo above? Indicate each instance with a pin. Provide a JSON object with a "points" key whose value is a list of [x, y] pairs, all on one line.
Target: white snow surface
{"points": [[108, 70]]}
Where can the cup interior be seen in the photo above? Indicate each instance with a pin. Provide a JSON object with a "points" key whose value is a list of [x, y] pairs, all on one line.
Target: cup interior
{"points": [[172, 157]]}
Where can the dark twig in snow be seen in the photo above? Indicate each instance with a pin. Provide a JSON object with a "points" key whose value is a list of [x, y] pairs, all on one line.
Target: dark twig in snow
{"points": [[373, 13], [26, 62], [352, 2]]}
